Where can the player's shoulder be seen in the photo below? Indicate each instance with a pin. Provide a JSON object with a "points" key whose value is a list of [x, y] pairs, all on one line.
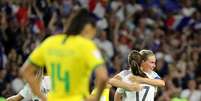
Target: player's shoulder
{"points": [[82, 43], [124, 73], [155, 75], [55, 37], [85, 41], [50, 41]]}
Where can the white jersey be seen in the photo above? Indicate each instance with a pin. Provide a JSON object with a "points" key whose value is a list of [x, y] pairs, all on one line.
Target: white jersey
{"points": [[146, 94], [27, 94]]}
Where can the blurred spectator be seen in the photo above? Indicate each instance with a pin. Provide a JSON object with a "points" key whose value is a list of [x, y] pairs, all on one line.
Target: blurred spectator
{"points": [[105, 45], [115, 67], [176, 97], [22, 13], [162, 65], [198, 68], [116, 64], [5, 89], [187, 8], [2, 81], [3, 57], [166, 93], [17, 84], [191, 93], [122, 45]]}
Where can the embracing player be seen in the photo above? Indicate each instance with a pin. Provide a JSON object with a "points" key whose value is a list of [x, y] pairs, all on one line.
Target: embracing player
{"points": [[135, 88]]}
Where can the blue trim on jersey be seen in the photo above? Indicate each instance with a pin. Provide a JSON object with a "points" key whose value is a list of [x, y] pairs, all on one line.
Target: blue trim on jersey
{"points": [[157, 78], [155, 75]]}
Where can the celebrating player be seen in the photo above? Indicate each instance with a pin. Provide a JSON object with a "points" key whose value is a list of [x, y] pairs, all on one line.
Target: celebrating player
{"points": [[26, 92], [133, 87]]}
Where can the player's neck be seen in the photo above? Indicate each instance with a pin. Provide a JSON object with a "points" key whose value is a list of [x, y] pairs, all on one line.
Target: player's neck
{"points": [[88, 32], [147, 71], [88, 36]]}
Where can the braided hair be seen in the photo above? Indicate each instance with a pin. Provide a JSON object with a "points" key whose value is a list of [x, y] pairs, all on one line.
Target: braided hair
{"points": [[134, 60]]}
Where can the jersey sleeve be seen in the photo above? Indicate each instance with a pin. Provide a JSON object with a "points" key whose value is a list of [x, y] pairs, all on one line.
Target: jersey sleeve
{"points": [[25, 92], [93, 56], [124, 73], [156, 76], [35, 98], [37, 56], [120, 91], [46, 83]]}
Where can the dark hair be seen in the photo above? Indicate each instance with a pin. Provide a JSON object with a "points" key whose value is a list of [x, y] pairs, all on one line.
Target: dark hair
{"points": [[134, 61], [145, 54], [78, 22]]}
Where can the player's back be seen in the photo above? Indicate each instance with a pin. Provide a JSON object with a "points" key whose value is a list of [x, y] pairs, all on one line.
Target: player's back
{"points": [[147, 92], [70, 61]]}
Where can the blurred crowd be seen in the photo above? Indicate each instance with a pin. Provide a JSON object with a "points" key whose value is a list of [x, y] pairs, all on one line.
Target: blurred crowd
{"points": [[170, 28]]}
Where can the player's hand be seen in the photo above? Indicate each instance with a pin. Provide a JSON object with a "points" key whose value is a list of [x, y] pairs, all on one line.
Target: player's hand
{"points": [[134, 87], [138, 79]]}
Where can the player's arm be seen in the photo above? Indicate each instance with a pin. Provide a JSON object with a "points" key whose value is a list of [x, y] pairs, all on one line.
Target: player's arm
{"points": [[24, 93], [28, 73], [35, 61], [96, 63], [154, 82], [117, 97], [119, 94], [100, 83], [17, 97], [117, 82], [101, 80]]}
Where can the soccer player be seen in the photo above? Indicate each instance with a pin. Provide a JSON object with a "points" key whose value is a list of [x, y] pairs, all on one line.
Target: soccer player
{"points": [[130, 87], [26, 93], [70, 59]]}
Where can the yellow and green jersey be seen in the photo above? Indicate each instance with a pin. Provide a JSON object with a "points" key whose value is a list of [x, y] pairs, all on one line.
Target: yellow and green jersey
{"points": [[70, 62]]}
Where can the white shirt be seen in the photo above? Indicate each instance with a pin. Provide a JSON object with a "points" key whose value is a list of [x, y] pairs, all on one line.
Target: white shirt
{"points": [[106, 45], [195, 95], [27, 94], [146, 94]]}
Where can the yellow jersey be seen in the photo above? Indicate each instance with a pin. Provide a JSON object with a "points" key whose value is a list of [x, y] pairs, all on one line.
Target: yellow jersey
{"points": [[70, 62], [105, 94]]}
